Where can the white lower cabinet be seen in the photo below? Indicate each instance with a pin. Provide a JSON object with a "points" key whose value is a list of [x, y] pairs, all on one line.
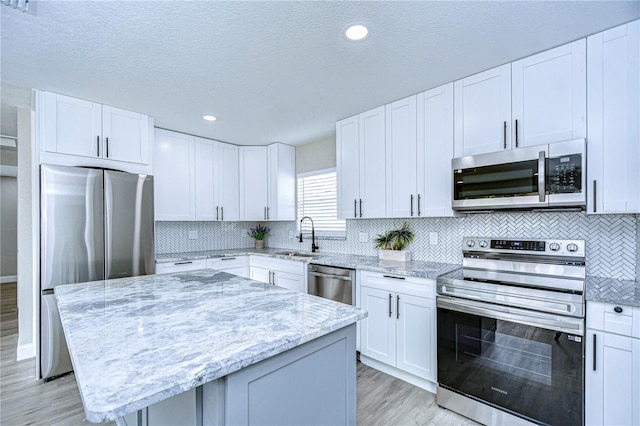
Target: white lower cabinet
{"points": [[237, 265], [289, 274], [183, 265], [398, 336], [612, 365]]}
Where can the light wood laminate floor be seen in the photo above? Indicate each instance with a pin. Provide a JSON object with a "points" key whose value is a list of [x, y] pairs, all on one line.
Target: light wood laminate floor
{"points": [[382, 399]]}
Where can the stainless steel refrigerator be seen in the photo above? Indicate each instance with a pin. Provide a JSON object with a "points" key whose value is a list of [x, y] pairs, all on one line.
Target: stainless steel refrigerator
{"points": [[94, 224]]}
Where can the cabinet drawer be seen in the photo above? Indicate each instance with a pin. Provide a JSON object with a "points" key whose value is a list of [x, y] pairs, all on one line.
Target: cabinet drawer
{"points": [[185, 265], [223, 263], [619, 319], [421, 287], [282, 265]]}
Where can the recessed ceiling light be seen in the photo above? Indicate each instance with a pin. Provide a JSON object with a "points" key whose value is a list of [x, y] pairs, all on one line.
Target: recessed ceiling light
{"points": [[356, 32], [209, 117]]}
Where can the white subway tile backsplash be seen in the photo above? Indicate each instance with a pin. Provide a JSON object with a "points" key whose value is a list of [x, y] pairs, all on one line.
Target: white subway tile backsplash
{"points": [[612, 240]]}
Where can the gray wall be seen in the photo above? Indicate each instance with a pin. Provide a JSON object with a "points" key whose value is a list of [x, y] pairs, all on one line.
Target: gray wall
{"points": [[8, 228], [316, 155]]}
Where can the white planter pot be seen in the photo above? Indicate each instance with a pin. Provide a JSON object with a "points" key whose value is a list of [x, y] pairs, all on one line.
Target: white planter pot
{"points": [[396, 255]]}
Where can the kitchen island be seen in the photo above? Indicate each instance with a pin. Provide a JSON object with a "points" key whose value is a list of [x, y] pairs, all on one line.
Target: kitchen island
{"points": [[207, 347]]}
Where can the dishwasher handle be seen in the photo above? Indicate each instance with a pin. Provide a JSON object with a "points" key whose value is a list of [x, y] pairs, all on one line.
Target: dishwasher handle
{"points": [[323, 275]]}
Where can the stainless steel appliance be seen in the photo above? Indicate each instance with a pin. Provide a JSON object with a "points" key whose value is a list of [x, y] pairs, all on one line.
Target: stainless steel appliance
{"points": [[511, 332], [333, 283], [537, 177], [94, 224]]}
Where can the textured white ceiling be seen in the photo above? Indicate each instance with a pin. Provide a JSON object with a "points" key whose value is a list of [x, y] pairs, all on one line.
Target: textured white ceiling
{"points": [[275, 71]]}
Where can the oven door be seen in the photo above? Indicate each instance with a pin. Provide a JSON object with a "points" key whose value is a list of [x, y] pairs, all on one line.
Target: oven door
{"points": [[501, 180], [508, 359]]}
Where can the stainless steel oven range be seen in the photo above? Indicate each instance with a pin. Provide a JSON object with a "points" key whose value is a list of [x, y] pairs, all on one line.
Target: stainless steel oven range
{"points": [[511, 332]]}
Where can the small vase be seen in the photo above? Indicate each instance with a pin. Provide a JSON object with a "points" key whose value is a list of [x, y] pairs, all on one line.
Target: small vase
{"points": [[260, 244]]}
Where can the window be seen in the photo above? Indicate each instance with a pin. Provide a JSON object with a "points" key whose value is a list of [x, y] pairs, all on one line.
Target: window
{"points": [[318, 199]]}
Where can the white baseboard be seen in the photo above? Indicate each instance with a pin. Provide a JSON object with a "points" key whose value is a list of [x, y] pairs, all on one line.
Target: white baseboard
{"points": [[402, 375], [26, 351], [9, 279]]}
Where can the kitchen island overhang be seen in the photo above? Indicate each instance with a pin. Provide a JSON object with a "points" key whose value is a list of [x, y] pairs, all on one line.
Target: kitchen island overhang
{"points": [[137, 341]]}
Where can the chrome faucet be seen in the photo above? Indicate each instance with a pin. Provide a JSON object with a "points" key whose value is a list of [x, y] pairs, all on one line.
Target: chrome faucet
{"points": [[314, 246]]}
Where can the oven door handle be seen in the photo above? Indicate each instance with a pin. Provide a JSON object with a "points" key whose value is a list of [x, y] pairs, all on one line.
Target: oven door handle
{"points": [[520, 316]]}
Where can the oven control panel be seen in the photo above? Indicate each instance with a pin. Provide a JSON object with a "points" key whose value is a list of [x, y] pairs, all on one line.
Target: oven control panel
{"points": [[531, 247]]}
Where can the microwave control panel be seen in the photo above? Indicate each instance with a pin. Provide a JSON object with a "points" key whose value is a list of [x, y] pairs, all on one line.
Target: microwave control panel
{"points": [[564, 174]]}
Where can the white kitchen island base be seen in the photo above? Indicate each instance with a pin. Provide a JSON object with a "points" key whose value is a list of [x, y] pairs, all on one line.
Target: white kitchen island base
{"points": [[312, 384]]}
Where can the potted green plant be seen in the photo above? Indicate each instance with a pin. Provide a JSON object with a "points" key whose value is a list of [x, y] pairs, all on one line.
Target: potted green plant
{"points": [[259, 233], [392, 244]]}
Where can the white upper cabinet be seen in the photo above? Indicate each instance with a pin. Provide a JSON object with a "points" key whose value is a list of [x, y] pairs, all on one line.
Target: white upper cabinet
{"points": [[205, 179], [253, 182], [533, 101], [227, 182], [267, 182], [282, 182], [435, 151], [88, 129], [347, 164], [174, 176], [549, 96], [401, 158], [483, 112], [360, 151], [613, 80]]}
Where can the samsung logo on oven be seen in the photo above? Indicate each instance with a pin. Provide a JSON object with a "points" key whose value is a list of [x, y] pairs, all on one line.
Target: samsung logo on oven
{"points": [[499, 390], [574, 338]]}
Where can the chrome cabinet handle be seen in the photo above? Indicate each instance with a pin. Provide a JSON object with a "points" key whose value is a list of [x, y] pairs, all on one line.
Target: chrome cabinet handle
{"points": [[228, 258], [411, 204], [264, 213], [267, 213], [355, 208], [504, 134], [183, 263], [418, 204], [217, 213], [390, 297], [395, 278], [516, 132], [107, 142], [360, 207], [97, 146], [397, 307], [594, 196], [222, 213], [542, 190]]}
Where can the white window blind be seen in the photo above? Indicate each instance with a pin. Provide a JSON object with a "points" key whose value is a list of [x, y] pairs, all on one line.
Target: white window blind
{"points": [[318, 199]]}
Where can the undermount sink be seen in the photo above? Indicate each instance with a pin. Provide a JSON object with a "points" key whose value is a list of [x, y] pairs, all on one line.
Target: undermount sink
{"points": [[295, 254]]}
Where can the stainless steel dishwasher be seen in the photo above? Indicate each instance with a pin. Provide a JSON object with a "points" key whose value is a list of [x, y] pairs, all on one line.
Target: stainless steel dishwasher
{"points": [[333, 283]]}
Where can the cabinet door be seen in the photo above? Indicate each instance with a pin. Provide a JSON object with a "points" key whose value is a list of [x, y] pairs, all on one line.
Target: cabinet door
{"points": [[549, 96], [185, 265], [282, 182], [614, 125], [227, 182], [205, 170], [73, 126], [483, 112], [177, 410], [126, 135], [260, 274], [378, 330], [348, 167], [290, 281], [253, 182], [174, 176], [401, 159], [612, 379], [372, 163], [435, 151], [416, 324]]}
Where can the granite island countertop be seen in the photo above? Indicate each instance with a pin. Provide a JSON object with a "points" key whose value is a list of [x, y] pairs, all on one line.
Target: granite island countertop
{"points": [[137, 341], [415, 268]]}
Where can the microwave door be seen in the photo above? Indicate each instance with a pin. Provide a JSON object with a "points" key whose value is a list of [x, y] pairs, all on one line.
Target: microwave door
{"points": [[501, 180]]}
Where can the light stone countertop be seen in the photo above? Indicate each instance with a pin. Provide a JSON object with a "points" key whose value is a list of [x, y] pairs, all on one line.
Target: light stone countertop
{"points": [[415, 268], [137, 341]]}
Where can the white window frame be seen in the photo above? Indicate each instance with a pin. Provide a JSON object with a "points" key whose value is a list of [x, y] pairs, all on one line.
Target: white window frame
{"points": [[320, 233]]}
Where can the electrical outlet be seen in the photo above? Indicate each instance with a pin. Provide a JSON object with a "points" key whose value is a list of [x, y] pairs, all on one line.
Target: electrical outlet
{"points": [[243, 233], [363, 237], [193, 235], [291, 233], [433, 238]]}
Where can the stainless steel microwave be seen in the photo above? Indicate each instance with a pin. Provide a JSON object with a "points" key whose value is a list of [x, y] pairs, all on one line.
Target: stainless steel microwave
{"points": [[537, 177]]}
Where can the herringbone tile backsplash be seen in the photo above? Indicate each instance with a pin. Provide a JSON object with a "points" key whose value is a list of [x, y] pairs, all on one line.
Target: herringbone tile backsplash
{"points": [[612, 240]]}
